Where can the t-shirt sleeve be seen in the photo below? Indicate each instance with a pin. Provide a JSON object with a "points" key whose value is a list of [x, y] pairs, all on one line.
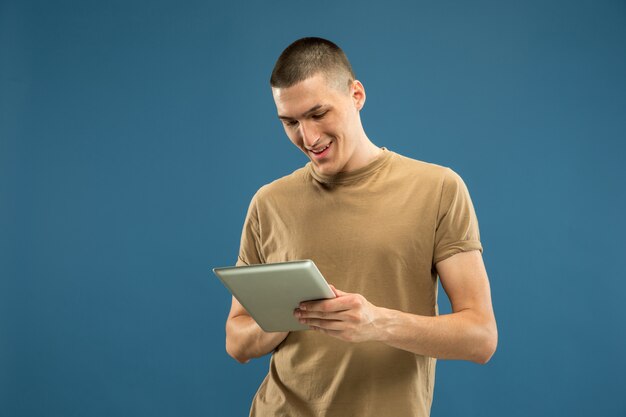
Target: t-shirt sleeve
{"points": [[250, 247], [457, 225]]}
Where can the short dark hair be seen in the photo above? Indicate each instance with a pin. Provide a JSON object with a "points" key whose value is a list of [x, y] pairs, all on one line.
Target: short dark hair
{"points": [[307, 57]]}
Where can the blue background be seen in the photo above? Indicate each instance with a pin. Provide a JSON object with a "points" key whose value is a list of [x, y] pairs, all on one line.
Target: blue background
{"points": [[133, 135]]}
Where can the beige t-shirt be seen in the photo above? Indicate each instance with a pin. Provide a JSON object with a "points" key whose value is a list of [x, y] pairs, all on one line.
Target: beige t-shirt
{"points": [[377, 231]]}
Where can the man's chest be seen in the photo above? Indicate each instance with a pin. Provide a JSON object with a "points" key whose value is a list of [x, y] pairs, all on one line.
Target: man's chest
{"points": [[355, 229]]}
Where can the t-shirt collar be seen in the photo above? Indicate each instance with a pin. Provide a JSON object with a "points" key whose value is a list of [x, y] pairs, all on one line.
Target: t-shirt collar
{"points": [[346, 177]]}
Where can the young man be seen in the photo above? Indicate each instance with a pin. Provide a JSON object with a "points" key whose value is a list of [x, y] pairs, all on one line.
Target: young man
{"points": [[381, 227]]}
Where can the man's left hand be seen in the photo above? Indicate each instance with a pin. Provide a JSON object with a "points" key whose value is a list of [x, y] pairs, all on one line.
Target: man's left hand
{"points": [[348, 317]]}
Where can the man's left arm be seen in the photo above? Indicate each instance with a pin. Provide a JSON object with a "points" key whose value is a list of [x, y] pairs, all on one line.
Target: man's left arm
{"points": [[468, 333]]}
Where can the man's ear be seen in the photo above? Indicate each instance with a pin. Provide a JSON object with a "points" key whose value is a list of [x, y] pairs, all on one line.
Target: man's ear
{"points": [[357, 93]]}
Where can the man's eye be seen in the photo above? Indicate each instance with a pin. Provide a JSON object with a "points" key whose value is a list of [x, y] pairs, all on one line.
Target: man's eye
{"points": [[319, 116], [291, 123]]}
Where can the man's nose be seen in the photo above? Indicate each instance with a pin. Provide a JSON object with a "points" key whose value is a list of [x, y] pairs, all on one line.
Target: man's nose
{"points": [[310, 135]]}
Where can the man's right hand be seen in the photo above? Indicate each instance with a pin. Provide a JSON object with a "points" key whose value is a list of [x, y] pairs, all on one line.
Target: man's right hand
{"points": [[244, 337]]}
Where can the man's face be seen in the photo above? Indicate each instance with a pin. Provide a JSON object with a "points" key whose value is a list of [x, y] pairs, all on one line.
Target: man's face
{"points": [[322, 121]]}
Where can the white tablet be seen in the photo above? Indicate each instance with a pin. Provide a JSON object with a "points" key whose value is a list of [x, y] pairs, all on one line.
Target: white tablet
{"points": [[271, 292]]}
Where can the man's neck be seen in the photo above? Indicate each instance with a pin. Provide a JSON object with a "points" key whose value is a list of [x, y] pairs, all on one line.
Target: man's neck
{"points": [[365, 154]]}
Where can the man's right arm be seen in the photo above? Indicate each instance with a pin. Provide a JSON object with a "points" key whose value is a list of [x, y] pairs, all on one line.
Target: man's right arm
{"points": [[244, 337]]}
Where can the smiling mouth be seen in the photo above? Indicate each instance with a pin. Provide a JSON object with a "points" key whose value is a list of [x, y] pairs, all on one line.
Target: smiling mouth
{"points": [[321, 150]]}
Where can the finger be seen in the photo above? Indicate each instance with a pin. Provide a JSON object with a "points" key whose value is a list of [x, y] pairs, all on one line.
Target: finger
{"points": [[337, 292], [332, 315], [324, 324], [334, 333], [334, 304]]}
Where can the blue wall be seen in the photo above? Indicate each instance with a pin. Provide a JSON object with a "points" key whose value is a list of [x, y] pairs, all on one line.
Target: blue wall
{"points": [[133, 134]]}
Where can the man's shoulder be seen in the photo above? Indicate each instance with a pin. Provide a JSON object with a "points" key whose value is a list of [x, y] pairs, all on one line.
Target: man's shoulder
{"points": [[422, 169], [430, 177]]}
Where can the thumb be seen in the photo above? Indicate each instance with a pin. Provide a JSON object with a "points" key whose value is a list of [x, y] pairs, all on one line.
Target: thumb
{"points": [[337, 292]]}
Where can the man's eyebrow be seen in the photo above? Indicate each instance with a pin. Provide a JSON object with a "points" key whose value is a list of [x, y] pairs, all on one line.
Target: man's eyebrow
{"points": [[306, 113]]}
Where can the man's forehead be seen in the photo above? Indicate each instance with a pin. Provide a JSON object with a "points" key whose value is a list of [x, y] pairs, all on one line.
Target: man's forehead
{"points": [[308, 95]]}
